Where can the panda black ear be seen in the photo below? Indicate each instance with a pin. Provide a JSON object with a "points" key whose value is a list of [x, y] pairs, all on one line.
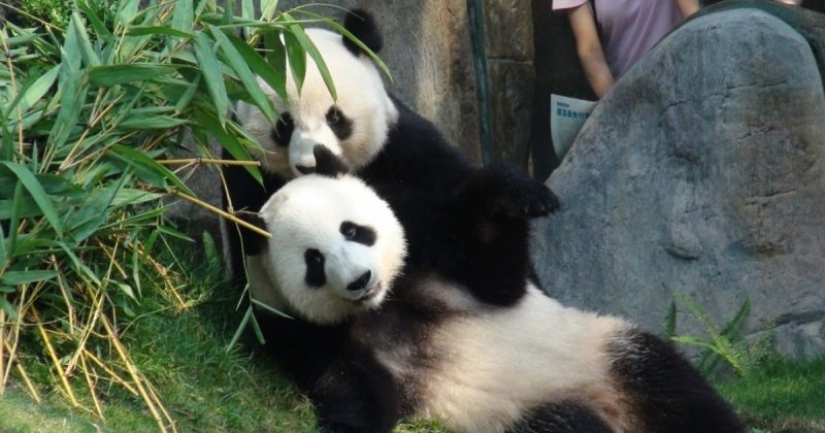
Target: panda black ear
{"points": [[362, 25], [327, 163]]}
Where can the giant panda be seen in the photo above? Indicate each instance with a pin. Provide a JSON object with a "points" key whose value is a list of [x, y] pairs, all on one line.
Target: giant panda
{"points": [[385, 333], [373, 133]]}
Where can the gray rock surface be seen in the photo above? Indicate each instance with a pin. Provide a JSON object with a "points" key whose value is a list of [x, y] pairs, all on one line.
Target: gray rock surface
{"points": [[702, 173]]}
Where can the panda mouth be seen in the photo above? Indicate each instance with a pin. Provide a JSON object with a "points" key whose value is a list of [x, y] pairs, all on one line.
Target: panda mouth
{"points": [[369, 294]]}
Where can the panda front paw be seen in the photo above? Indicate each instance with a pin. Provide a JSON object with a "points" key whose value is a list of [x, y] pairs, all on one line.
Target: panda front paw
{"points": [[508, 192]]}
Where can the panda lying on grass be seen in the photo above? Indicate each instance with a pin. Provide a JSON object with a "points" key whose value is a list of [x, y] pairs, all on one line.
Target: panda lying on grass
{"points": [[385, 332]]}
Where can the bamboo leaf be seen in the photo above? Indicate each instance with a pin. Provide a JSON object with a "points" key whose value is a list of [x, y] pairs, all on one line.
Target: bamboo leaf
{"points": [[147, 169], [228, 141], [99, 28], [127, 12], [238, 64], [159, 31], [79, 266], [131, 196], [16, 278], [313, 52], [268, 9], [275, 78], [89, 54], [151, 122], [3, 255], [297, 58], [6, 306], [238, 332], [14, 221], [270, 309], [125, 288], [183, 17], [23, 208], [247, 13], [29, 181], [112, 75], [90, 217], [72, 92], [37, 90], [256, 328], [211, 70]]}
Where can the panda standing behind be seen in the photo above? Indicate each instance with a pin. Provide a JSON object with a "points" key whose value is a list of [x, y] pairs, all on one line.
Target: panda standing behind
{"points": [[385, 334], [374, 134]]}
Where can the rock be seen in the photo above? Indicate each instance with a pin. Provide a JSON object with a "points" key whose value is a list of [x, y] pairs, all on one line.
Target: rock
{"points": [[702, 173]]}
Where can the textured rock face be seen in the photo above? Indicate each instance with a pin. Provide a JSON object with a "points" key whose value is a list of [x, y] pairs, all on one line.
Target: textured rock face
{"points": [[702, 173]]}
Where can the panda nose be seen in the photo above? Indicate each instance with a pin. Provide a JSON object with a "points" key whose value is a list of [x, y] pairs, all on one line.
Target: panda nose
{"points": [[361, 282], [305, 169]]}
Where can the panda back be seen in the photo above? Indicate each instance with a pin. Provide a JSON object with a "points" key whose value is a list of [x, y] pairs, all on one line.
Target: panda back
{"points": [[416, 155]]}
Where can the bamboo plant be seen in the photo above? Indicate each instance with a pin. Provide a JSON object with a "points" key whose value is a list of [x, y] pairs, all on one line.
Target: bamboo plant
{"points": [[90, 114]]}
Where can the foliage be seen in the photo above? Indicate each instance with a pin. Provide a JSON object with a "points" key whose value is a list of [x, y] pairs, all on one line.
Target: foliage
{"points": [[56, 12], [782, 395], [90, 112], [722, 346]]}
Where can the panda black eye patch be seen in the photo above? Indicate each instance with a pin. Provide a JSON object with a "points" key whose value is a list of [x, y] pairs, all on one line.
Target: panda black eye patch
{"points": [[315, 276], [340, 124], [283, 130], [358, 233]]}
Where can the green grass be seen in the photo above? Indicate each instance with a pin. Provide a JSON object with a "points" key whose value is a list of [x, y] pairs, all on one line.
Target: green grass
{"points": [[204, 387], [782, 395]]}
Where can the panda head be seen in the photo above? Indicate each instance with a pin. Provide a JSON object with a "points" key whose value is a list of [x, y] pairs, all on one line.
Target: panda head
{"points": [[354, 126], [336, 247]]}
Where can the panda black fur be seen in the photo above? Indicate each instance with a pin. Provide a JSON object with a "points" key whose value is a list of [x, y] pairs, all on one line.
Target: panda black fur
{"points": [[433, 348], [374, 134]]}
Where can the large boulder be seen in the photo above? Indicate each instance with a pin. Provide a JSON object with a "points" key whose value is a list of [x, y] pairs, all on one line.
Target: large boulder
{"points": [[703, 173]]}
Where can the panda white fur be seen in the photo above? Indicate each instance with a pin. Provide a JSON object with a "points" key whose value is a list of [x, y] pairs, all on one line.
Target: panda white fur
{"points": [[430, 347], [374, 134]]}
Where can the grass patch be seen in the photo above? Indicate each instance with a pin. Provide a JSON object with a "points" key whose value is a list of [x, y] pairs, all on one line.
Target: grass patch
{"points": [[782, 395], [203, 386]]}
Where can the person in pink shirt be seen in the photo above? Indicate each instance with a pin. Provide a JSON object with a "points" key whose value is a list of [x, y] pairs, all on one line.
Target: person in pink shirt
{"points": [[611, 35]]}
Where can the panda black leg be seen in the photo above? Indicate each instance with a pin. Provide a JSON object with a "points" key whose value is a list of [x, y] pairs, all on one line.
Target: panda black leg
{"points": [[356, 394], [505, 191], [561, 417], [489, 235]]}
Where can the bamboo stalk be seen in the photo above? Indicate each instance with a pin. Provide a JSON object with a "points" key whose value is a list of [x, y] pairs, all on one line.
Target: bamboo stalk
{"points": [[3, 373], [162, 408], [222, 213], [55, 359], [189, 161], [12, 349], [133, 373], [26, 380], [116, 377], [98, 307], [70, 310], [92, 387]]}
